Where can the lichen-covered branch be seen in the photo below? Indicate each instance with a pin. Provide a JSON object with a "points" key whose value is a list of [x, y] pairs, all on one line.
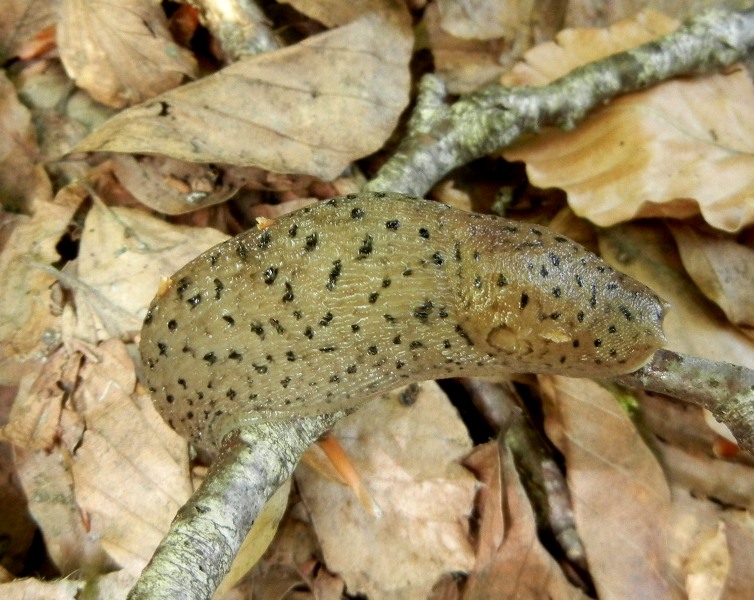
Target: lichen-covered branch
{"points": [[206, 534], [442, 137], [726, 390]]}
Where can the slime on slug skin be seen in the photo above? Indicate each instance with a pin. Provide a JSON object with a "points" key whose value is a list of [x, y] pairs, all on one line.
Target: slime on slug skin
{"points": [[351, 297]]}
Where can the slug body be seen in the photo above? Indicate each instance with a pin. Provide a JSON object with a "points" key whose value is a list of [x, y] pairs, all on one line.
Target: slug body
{"points": [[340, 301]]}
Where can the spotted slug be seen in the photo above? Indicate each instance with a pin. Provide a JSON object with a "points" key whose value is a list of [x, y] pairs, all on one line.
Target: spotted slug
{"points": [[336, 302]]}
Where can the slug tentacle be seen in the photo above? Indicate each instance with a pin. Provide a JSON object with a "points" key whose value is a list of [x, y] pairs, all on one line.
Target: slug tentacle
{"points": [[337, 302]]}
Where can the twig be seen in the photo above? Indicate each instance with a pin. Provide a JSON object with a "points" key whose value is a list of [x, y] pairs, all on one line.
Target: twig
{"points": [[207, 532], [442, 137], [726, 390]]}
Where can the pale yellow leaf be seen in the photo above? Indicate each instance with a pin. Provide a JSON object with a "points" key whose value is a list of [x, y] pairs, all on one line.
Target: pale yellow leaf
{"points": [[257, 540], [120, 52], [28, 589], [407, 455], [621, 500], [480, 19], [678, 149], [740, 537], [311, 108], [722, 268], [333, 13]]}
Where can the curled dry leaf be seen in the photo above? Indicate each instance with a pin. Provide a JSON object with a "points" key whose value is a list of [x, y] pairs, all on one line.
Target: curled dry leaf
{"points": [[680, 148], [22, 178], [172, 186], [311, 108], [120, 52], [408, 457], [511, 561], [29, 330], [621, 500], [722, 269], [22, 21]]}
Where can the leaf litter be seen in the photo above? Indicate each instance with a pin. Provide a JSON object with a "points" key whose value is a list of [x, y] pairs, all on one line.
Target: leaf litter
{"points": [[660, 513]]}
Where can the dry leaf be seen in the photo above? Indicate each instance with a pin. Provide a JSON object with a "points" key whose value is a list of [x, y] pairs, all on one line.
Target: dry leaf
{"points": [[311, 108], [740, 536], [28, 329], [22, 20], [465, 64], [123, 255], [480, 19], [511, 561], [722, 269], [333, 13], [260, 536], [127, 454], [680, 148], [621, 501], [172, 186], [22, 178], [26, 589], [408, 458], [122, 52], [692, 325]]}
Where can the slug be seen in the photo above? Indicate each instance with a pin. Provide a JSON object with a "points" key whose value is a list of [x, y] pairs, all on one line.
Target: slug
{"points": [[334, 303]]}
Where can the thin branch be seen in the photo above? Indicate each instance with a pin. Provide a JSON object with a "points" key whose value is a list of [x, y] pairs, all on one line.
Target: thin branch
{"points": [[726, 390], [207, 532], [442, 137]]}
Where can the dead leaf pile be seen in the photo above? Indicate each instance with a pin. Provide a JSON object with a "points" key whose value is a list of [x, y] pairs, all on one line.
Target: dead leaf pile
{"points": [[115, 115]]}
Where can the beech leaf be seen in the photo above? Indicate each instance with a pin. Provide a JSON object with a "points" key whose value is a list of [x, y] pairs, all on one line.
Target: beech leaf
{"points": [[120, 52], [311, 108], [678, 149]]}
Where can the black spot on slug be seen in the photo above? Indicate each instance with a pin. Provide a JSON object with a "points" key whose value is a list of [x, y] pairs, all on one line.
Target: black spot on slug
{"points": [[373, 297], [366, 247], [423, 311], [288, 296], [258, 329], [325, 321], [424, 233], [332, 279], [524, 300], [357, 213], [392, 224], [219, 287], [293, 230], [172, 324], [163, 348], [311, 242], [210, 358], [229, 320], [626, 313], [264, 240], [194, 301], [269, 275]]}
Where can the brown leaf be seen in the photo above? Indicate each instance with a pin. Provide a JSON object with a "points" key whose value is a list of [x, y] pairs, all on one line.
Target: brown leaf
{"points": [[740, 536], [311, 108], [172, 186], [463, 64], [128, 454], [65, 589], [722, 269], [511, 561], [123, 255], [22, 20], [677, 149], [29, 330], [408, 459], [692, 325], [621, 501], [22, 179], [121, 53]]}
